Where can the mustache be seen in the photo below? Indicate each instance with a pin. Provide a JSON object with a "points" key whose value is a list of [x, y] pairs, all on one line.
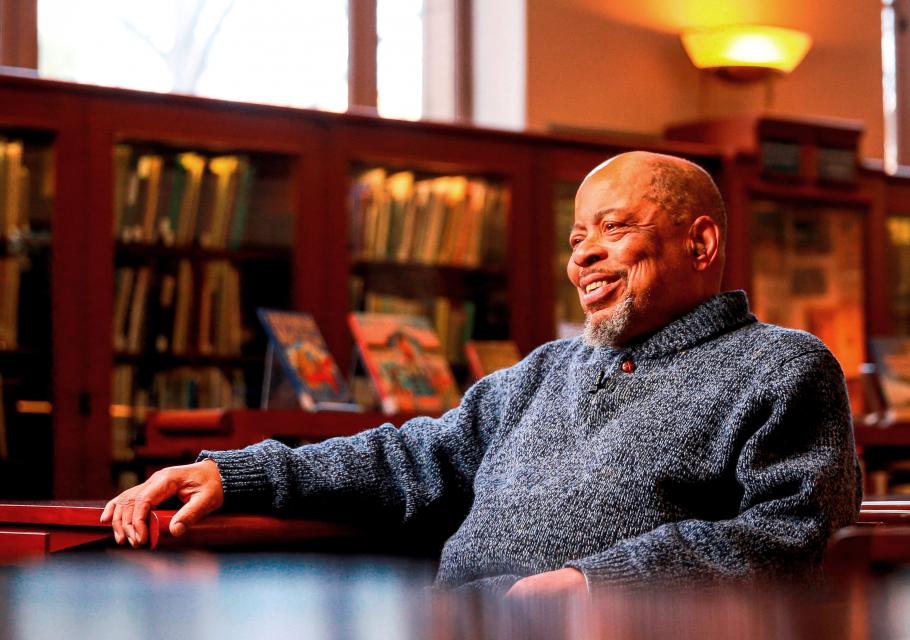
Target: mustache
{"points": [[620, 274]]}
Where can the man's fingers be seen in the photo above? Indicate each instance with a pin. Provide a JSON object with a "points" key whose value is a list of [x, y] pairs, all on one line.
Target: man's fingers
{"points": [[140, 513], [119, 536], [108, 512], [127, 512], [198, 505], [126, 519]]}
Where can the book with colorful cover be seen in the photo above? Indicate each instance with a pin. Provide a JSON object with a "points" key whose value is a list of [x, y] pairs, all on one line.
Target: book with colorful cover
{"points": [[487, 356], [405, 362], [295, 340]]}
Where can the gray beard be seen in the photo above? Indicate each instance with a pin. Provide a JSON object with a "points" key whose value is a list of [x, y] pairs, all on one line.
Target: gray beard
{"points": [[606, 333]]}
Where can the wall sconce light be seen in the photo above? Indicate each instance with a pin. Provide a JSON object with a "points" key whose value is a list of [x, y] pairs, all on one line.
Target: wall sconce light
{"points": [[746, 52]]}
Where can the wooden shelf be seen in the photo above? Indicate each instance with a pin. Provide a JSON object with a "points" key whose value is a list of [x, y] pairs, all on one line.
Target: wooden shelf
{"points": [[166, 360], [29, 246], [142, 253], [24, 356], [894, 435], [410, 280], [174, 436]]}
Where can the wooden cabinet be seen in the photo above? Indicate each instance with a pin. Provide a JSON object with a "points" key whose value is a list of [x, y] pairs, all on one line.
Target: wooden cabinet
{"points": [[104, 363]]}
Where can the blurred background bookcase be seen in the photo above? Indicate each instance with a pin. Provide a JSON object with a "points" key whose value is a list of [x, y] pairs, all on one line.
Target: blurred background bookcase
{"points": [[302, 210]]}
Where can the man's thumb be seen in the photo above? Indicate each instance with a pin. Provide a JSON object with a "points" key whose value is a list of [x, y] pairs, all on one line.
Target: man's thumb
{"points": [[189, 513]]}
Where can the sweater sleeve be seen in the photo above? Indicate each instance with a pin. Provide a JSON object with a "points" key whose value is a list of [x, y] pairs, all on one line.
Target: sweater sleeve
{"points": [[798, 472], [425, 468]]}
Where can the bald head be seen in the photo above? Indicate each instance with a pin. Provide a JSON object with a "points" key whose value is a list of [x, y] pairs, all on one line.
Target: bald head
{"points": [[680, 188]]}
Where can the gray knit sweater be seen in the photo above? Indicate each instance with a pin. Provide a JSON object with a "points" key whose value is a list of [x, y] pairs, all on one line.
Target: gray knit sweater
{"points": [[724, 450]]}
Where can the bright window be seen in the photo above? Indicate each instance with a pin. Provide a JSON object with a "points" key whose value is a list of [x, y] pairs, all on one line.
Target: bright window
{"points": [[399, 58], [287, 52]]}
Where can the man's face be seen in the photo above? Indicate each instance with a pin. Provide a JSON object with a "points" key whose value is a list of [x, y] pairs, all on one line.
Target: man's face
{"points": [[628, 259]]}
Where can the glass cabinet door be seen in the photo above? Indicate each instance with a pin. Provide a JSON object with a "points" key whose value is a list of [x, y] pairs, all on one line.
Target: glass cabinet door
{"points": [[807, 273], [27, 183], [202, 240]]}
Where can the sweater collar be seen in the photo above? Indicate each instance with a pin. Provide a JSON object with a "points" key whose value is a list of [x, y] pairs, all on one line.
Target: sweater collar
{"points": [[717, 315]]}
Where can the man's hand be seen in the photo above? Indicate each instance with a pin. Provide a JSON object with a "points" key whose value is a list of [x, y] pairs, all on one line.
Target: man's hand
{"points": [[560, 582], [197, 485]]}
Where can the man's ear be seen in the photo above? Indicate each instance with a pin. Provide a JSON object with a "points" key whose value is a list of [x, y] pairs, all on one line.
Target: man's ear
{"points": [[704, 242]]}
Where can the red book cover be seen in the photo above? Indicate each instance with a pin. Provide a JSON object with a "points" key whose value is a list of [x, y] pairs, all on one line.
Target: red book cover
{"points": [[404, 359]]}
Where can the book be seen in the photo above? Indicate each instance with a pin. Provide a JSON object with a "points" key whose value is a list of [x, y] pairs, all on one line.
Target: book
{"points": [[452, 220], [405, 362], [487, 356], [305, 360], [453, 322], [892, 363]]}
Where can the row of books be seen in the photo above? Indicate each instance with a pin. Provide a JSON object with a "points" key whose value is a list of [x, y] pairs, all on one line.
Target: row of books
{"points": [[893, 479], [444, 220], [453, 322], [400, 354], [181, 199], [15, 177], [10, 281], [20, 167], [194, 309], [178, 388]]}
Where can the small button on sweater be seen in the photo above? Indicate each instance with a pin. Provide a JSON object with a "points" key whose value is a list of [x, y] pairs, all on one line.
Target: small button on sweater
{"points": [[717, 448]]}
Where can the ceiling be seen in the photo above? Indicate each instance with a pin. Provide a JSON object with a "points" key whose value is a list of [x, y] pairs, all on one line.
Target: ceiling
{"points": [[844, 23]]}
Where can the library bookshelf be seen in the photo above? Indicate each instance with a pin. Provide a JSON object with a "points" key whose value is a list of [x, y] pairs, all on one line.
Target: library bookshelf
{"points": [[301, 245], [123, 166]]}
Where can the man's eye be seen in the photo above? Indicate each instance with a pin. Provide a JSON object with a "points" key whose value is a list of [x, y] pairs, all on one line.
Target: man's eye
{"points": [[611, 226], [574, 242]]}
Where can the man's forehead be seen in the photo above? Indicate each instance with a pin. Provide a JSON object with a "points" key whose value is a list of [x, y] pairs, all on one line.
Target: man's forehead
{"points": [[612, 189]]}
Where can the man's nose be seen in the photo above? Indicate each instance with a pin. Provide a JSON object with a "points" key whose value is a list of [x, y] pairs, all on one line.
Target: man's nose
{"points": [[588, 253]]}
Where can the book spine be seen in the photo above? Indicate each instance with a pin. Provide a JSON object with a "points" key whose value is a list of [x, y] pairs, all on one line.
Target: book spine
{"points": [[245, 178]]}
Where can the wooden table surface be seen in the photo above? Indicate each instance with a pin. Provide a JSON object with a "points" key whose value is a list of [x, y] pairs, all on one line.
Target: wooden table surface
{"points": [[32, 529]]}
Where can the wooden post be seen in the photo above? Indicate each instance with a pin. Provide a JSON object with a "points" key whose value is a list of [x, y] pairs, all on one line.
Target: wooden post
{"points": [[362, 43], [19, 33]]}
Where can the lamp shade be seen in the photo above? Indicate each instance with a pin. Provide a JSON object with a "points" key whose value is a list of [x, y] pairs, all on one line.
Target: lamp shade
{"points": [[746, 47]]}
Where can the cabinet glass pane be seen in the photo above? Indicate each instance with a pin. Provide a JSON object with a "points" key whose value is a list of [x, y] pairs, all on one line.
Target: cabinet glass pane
{"points": [[26, 209], [899, 272], [202, 240], [807, 273]]}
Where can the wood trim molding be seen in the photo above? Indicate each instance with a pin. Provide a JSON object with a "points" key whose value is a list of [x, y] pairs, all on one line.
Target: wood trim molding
{"points": [[19, 33]]}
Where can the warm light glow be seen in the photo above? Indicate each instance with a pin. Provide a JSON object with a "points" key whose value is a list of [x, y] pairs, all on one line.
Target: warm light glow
{"points": [[749, 47], [34, 406], [127, 411]]}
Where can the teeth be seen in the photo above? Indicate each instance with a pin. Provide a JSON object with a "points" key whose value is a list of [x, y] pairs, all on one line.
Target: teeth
{"points": [[594, 286]]}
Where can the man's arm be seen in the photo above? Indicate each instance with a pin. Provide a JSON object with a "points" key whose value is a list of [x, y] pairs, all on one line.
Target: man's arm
{"points": [[388, 473], [797, 468]]}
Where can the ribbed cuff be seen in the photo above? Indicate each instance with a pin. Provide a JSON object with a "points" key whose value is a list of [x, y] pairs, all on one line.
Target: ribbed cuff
{"points": [[243, 478], [612, 567]]}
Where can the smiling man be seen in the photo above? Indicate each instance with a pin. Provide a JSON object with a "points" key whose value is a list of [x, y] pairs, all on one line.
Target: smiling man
{"points": [[677, 440]]}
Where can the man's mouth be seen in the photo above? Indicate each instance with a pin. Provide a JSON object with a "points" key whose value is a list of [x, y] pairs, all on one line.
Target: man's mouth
{"points": [[598, 288]]}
